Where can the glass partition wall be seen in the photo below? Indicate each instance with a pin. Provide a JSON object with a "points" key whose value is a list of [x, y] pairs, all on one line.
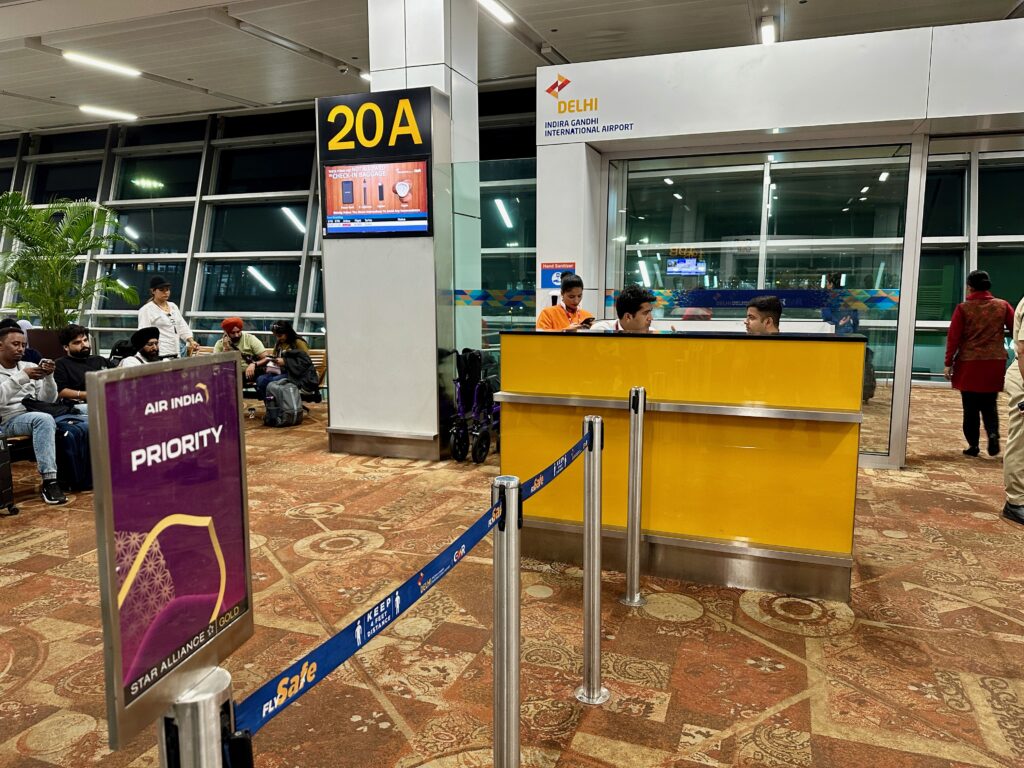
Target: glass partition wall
{"points": [[773, 221]]}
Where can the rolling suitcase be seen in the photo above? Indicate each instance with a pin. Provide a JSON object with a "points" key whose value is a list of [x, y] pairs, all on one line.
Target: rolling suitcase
{"points": [[6, 480], [74, 465]]}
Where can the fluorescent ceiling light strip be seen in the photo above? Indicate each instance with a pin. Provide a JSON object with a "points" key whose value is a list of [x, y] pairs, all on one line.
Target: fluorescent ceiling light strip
{"points": [[669, 181], [109, 66], [497, 10], [256, 273], [504, 214], [122, 283], [294, 219], [768, 35], [132, 234], [883, 176], [644, 275], [112, 113]]}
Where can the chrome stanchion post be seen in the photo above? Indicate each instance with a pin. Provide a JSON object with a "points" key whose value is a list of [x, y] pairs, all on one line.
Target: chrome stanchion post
{"points": [[190, 734], [592, 692], [506, 624], [637, 406]]}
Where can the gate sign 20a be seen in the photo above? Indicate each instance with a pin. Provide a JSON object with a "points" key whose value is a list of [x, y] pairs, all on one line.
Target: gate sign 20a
{"points": [[387, 125]]}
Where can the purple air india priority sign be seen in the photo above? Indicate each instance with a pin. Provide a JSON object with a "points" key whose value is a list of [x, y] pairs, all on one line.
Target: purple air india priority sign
{"points": [[169, 464]]}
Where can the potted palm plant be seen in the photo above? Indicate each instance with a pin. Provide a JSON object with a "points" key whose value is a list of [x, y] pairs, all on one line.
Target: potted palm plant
{"points": [[43, 245]]}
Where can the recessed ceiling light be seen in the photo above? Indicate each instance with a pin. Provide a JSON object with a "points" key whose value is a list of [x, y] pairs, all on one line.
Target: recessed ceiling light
{"points": [[845, 210], [497, 10], [669, 181], [862, 199], [366, 76], [883, 176], [109, 66], [104, 112], [864, 190], [768, 31], [677, 196]]}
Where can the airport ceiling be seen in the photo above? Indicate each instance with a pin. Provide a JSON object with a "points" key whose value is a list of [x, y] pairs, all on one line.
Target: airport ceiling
{"points": [[196, 56]]}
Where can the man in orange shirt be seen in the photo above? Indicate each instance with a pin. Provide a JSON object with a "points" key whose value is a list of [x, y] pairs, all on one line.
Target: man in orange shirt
{"points": [[566, 315]]}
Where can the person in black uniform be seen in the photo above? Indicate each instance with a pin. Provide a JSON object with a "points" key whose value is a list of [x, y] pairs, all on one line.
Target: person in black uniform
{"points": [[71, 369]]}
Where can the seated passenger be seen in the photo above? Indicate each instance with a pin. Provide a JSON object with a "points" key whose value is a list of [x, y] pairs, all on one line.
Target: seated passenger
{"points": [[19, 380], [566, 315], [763, 314], [275, 370], [69, 375], [254, 354], [31, 355], [634, 307], [147, 347]]}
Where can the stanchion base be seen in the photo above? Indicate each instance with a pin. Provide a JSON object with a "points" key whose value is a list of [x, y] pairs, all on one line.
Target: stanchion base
{"points": [[601, 698], [636, 602]]}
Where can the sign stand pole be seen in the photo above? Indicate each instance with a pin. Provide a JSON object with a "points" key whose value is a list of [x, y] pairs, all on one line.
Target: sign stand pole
{"points": [[191, 735]]}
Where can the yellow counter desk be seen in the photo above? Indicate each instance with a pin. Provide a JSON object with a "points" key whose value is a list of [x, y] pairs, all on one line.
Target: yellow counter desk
{"points": [[750, 451]]}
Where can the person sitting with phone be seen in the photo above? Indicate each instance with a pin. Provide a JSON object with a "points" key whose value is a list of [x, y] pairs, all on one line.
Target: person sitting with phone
{"points": [[634, 307], [21, 382], [566, 315], [254, 354]]}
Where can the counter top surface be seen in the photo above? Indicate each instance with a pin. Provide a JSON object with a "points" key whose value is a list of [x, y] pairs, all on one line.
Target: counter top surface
{"points": [[848, 337]]}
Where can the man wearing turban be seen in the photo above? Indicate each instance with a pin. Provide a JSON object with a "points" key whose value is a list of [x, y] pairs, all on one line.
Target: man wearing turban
{"points": [[255, 355]]}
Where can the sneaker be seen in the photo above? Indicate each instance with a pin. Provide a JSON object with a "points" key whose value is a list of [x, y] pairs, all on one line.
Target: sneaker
{"points": [[972, 451], [993, 445], [52, 494]]}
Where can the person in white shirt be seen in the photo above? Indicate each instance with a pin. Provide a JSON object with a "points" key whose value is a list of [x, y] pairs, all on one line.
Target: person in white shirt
{"points": [[165, 316], [635, 309], [147, 348], [19, 380]]}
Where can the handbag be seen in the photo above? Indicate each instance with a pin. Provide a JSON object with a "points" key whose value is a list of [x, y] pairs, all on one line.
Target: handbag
{"points": [[35, 405]]}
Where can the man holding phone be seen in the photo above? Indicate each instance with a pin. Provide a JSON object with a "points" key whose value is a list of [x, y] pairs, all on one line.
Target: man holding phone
{"points": [[20, 380]]}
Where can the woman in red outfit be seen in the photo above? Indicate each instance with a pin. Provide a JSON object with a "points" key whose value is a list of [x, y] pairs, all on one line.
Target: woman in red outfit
{"points": [[976, 358]]}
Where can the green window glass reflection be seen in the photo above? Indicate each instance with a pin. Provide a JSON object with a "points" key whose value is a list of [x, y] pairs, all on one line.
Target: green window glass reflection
{"points": [[163, 176], [1001, 200], [270, 285], [1005, 265], [137, 275], [6, 176], [929, 354], [264, 169], [258, 227], [940, 284], [318, 289], [76, 181], [508, 216], [154, 230], [838, 200], [709, 205], [944, 203]]}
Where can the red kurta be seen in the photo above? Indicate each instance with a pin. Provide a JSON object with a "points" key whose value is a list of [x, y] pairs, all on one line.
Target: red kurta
{"points": [[974, 346]]}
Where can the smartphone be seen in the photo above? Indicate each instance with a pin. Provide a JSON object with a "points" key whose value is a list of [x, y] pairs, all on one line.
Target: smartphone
{"points": [[47, 363], [588, 322], [347, 197]]}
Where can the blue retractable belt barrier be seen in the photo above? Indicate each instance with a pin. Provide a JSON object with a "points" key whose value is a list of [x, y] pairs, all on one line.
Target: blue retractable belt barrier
{"points": [[272, 697]]}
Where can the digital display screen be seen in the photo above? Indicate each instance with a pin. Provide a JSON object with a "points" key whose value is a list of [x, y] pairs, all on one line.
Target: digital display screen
{"points": [[376, 199], [686, 267]]}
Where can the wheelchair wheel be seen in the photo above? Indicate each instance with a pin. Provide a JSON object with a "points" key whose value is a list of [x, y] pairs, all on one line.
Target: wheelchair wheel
{"points": [[481, 446], [459, 441]]}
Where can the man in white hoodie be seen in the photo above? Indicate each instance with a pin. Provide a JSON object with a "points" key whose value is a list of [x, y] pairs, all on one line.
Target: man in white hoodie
{"points": [[19, 380]]}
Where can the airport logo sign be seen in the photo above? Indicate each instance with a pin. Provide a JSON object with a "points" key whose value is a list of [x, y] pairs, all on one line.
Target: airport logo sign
{"points": [[556, 87]]}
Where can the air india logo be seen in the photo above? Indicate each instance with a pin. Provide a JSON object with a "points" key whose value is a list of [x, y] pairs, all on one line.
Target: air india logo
{"points": [[556, 87]]}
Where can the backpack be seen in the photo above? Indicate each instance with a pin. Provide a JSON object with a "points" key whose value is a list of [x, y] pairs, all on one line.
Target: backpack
{"points": [[302, 373], [74, 464], [119, 352], [284, 404]]}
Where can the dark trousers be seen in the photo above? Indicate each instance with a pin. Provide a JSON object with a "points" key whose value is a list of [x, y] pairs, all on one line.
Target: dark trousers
{"points": [[983, 403]]}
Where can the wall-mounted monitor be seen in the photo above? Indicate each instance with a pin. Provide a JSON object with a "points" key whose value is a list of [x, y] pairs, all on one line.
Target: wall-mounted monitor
{"points": [[369, 199], [686, 267]]}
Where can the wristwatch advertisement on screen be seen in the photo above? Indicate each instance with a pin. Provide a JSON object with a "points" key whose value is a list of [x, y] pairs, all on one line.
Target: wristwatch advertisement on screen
{"points": [[403, 189]]}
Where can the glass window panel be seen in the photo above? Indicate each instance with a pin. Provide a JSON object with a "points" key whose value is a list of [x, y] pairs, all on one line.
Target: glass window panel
{"points": [[258, 227], [8, 147], [508, 216], [508, 271], [944, 201], [1000, 195], [506, 170], [940, 284], [164, 133], [72, 142], [838, 201], [76, 181], [161, 176], [274, 122], [860, 266], [1005, 265], [929, 354], [6, 176], [137, 275], [265, 286], [695, 208], [264, 169], [155, 230], [318, 288]]}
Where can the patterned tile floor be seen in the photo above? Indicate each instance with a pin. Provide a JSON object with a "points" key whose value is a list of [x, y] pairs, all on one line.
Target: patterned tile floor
{"points": [[925, 667]]}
